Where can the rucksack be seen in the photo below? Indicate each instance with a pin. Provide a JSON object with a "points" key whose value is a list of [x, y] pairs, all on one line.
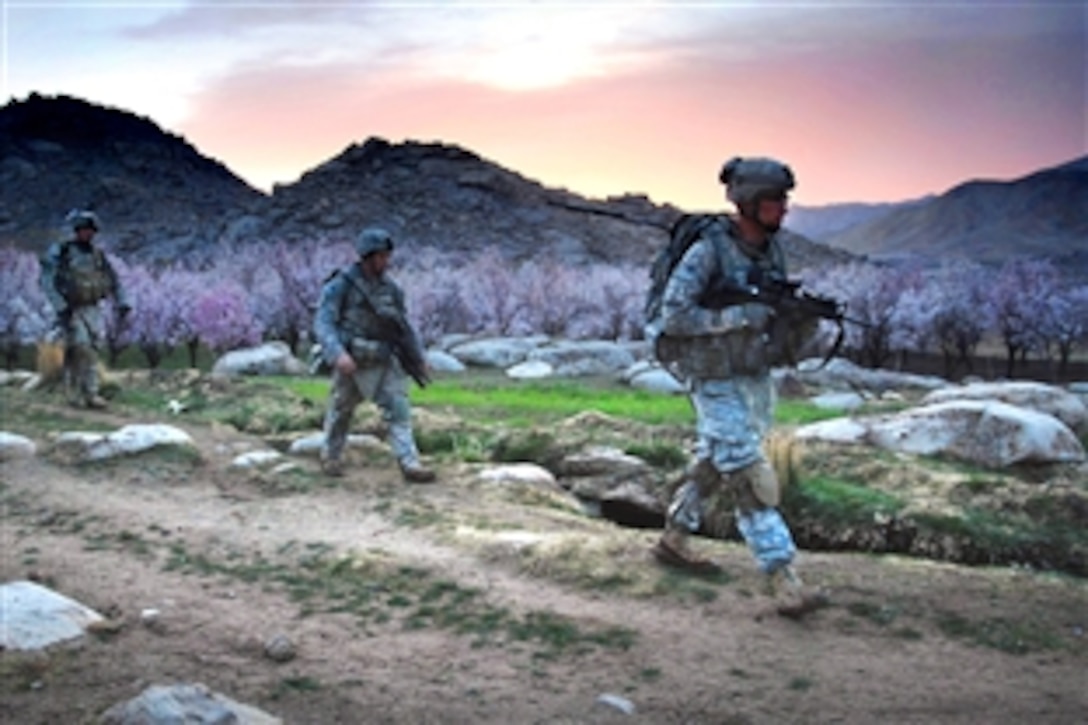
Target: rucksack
{"points": [[682, 235]]}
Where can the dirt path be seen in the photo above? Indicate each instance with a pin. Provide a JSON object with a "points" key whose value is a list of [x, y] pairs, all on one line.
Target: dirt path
{"points": [[451, 617]]}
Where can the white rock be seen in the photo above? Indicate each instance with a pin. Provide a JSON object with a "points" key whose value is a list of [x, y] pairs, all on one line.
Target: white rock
{"points": [[34, 616], [271, 358], [530, 370], [518, 473], [442, 362], [256, 459], [988, 433], [616, 702], [1062, 404], [15, 377], [658, 380], [838, 430], [184, 703], [14, 446], [127, 440], [311, 444]]}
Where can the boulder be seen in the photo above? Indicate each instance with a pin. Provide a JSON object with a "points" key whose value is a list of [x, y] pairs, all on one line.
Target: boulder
{"points": [[1064, 405], [184, 703], [496, 352], [256, 459], [519, 473], [530, 370], [841, 374], [271, 358], [987, 433], [442, 362], [311, 444], [658, 380], [575, 358], [128, 440], [15, 377], [14, 446], [34, 616]]}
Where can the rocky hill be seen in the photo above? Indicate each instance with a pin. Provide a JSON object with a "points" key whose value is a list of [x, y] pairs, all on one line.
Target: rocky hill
{"points": [[1044, 215], [156, 194], [161, 199]]}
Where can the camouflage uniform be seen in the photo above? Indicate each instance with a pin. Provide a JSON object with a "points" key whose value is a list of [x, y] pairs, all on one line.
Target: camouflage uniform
{"points": [[75, 276], [730, 382], [726, 355], [349, 320]]}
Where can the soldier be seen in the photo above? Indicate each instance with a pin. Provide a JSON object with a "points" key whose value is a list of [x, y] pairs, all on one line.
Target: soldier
{"points": [[726, 355], [356, 305], [75, 277]]}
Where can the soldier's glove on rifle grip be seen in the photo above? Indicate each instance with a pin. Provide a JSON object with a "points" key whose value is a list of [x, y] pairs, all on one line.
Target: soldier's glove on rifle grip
{"points": [[64, 317], [124, 311]]}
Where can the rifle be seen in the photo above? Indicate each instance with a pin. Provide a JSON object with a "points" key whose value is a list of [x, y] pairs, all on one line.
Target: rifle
{"points": [[401, 339], [404, 345], [788, 300]]}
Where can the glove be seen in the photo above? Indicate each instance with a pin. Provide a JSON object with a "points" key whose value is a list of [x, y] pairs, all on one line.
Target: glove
{"points": [[64, 317], [123, 311], [757, 316]]}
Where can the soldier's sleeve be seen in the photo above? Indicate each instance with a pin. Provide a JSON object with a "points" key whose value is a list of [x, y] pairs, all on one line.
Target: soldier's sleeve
{"points": [[681, 312], [327, 318], [50, 265], [118, 290]]}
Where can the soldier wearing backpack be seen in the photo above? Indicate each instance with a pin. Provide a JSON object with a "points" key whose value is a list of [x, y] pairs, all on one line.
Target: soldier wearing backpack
{"points": [[725, 353], [357, 305], [75, 277]]}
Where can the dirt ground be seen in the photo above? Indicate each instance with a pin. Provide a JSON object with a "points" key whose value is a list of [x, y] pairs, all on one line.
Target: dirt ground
{"points": [[475, 602]]}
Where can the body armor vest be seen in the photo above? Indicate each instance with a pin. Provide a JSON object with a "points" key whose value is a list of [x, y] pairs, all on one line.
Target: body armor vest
{"points": [[83, 279]]}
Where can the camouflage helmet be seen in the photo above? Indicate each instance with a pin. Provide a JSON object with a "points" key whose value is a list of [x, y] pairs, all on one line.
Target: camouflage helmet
{"points": [[81, 219], [748, 179], [373, 239]]}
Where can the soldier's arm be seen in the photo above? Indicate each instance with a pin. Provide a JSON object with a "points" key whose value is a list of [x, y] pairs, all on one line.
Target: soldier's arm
{"points": [[327, 318], [680, 309], [116, 288], [50, 266]]}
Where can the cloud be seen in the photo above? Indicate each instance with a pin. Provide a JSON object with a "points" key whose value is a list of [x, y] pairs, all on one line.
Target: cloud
{"points": [[605, 98], [234, 20]]}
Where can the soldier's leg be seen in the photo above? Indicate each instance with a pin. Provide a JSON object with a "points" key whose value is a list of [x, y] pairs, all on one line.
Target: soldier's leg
{"points": [[683, 518], [344, 395], [86, 336], [769, 539], [390, 394], [71, 375]]}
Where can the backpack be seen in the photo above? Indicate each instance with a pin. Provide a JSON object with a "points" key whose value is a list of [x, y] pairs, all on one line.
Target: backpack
{"points": [[682, 235]]}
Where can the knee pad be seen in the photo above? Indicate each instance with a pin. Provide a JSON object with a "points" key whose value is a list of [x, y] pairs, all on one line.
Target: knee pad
{"points": [[758, 481]]}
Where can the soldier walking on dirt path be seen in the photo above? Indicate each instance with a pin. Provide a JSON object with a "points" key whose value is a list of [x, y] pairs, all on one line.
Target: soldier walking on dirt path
{"points": [[75, 276], [358, 304], [725, 354]]}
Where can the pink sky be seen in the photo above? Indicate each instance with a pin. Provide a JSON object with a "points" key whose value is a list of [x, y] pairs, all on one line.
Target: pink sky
{"points": [[867, 101]]}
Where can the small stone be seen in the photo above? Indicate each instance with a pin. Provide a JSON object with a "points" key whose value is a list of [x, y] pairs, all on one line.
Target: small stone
{"points": [[279, 649], [152, 619], [617, 703]]}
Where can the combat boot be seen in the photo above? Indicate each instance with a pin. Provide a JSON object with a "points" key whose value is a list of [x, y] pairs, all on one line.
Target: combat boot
{"points": [[332, 468], [793, 598], [415, 472], [672, 550], [96, 402]]}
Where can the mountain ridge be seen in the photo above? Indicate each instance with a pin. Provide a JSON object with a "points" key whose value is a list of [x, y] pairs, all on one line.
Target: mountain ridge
{"points": [[161, 199]]}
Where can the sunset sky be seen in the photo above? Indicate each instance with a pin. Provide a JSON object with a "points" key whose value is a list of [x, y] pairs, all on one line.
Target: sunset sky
{"points": [[868, 101]]}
